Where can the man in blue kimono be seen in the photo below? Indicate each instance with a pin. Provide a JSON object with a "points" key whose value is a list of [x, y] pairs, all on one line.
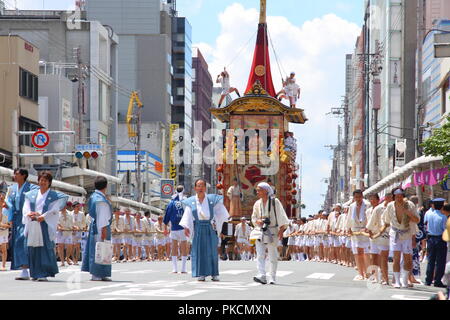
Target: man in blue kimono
{"points": [[40, 217], [174, 213], [15, 202], [100, 210], [202, 216]]}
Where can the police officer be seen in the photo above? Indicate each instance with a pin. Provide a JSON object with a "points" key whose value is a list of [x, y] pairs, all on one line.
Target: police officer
{"points": [[437, 248]]}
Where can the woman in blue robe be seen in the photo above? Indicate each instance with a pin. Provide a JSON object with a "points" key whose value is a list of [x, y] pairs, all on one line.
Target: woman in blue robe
{"points": [[40, 217]]}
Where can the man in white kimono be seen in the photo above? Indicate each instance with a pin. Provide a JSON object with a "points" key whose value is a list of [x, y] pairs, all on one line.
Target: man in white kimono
{"points": [[270, 217], [202, 217]]}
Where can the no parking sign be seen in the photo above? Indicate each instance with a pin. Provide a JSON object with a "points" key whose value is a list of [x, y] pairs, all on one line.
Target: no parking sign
{"points": [[167, 188], [40, 139]]}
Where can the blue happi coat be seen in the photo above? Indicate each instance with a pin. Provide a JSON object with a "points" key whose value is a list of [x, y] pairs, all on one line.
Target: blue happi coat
{"points": [[89, 264], [174, 213], [15, 201], [204, 255], [43, 259]]}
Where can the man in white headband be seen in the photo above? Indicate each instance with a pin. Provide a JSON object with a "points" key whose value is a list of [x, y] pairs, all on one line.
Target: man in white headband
{"points": [[270, 217]]}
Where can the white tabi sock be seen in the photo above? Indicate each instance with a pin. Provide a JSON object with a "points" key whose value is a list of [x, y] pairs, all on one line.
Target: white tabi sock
{"points": [[404, 278], [397, 279], [24, 273], [174, 264], [183, 264]]}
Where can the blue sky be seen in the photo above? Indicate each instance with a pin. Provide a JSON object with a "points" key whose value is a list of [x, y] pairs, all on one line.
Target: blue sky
{"points": [[311, 37], [203, 14]]}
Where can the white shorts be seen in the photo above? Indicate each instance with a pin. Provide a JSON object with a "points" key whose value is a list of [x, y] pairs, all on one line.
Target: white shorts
{"points": [[147, 242], [226, 90], [178, 235], [291, 241], [76, 238], [127, 241], [404, 246], [243, 241], [160, 242], [3, 239], [337, 242], [298, 241], [117, 240], [360, 244], [137, 241], [348, 242], [60, 239], [326, 242], [376, 248]]}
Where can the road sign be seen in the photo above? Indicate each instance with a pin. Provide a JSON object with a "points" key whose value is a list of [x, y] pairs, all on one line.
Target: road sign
{"points": [[167, 188], [40, 139]]}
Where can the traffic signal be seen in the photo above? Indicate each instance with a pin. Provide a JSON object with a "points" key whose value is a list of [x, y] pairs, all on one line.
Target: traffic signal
{"points": [[88, 154]]}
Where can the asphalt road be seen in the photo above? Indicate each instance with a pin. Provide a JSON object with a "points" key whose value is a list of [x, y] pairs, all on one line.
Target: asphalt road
{"points": [[154, 281]]}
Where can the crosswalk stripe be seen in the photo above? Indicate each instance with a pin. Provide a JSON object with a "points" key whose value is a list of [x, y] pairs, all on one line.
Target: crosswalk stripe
{"points": [[235, 272], [282, 274], [66, 293], [321, 276]]}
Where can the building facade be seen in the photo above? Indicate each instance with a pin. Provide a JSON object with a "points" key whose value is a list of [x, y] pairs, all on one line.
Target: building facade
{"points": [[182, 113], [87, 50], [202, 88], [144, 59], [19, 86]]}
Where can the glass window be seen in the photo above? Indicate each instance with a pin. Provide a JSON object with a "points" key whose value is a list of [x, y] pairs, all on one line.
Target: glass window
{"points": [[28, 85]]}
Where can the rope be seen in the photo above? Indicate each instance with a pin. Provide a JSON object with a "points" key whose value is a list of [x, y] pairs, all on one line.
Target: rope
{"points": [[280, 67], [241, 50]]}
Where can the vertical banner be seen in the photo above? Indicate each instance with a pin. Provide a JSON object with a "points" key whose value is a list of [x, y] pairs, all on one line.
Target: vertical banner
{"points": [[173, 142]]}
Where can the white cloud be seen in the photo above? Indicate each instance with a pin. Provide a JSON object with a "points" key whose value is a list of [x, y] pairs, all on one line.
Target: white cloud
{"points": [[316, 52]]}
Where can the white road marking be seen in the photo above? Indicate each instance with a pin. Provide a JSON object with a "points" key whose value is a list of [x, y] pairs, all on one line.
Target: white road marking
{"points": [[235, 272], [140, 272], [282, 274], [138, 292], [66, 293], [321, 276], [404, 297]]}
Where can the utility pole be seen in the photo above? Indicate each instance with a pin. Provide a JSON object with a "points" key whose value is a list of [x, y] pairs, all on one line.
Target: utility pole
{"points": [[420, 108], [346, 135], [80, 95], [138, 156]]}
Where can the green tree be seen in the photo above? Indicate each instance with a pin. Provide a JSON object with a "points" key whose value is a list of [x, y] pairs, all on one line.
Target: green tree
{"points": [[439, 143]]}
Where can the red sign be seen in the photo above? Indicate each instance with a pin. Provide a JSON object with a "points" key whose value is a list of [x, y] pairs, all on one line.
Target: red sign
{"points": [[29, 47], [40, 139]]}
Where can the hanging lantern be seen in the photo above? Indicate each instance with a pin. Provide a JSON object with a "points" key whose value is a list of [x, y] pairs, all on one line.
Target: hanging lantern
{"points": [[294, 201], [289, 180], [295, 176], [220, 168], [219, 186], [294, 192], [219, 178], [294, 185]]}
